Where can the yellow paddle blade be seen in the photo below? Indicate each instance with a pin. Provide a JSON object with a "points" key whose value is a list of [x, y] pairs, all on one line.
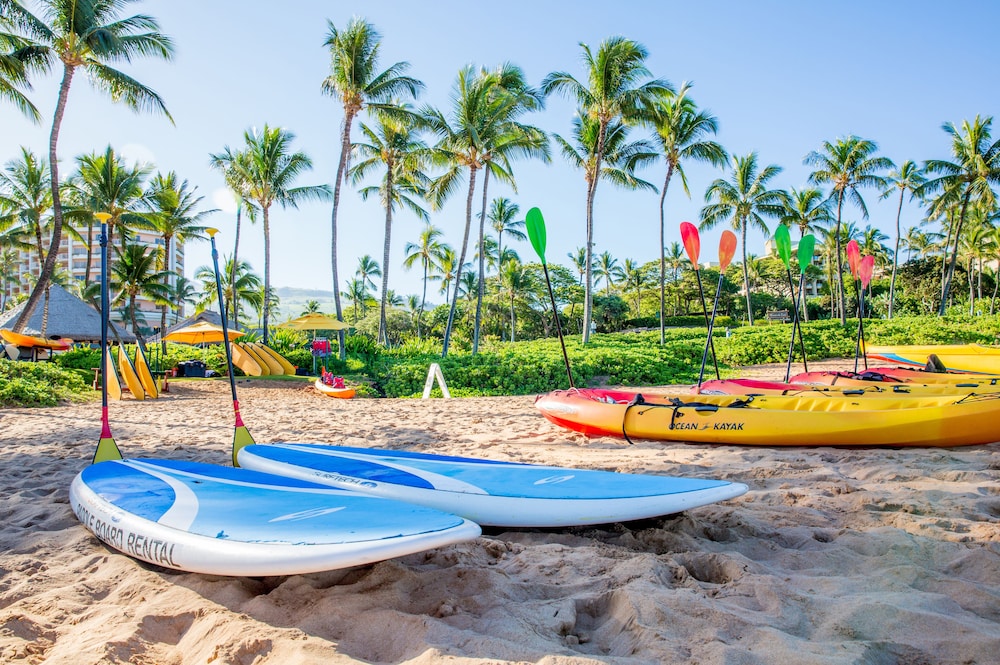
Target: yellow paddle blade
{"points": [[241, 439], [107, 449]]}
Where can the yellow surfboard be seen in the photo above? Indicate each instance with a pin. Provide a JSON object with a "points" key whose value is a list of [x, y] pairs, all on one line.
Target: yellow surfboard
{"points": [[265, 370], [145, 376], [111, 380], [286, 366], [245, 361], [128, 373], [272, 364]]}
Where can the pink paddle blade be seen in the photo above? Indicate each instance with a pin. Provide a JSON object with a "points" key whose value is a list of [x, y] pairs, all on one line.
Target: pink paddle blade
{"points": [[727, 249], [854, 257], [866, 269], [692, 243]]}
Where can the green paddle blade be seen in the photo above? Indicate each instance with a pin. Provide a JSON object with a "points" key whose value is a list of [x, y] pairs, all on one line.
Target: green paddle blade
{"points": [[783, 242], [807, 246], [535, 225]]}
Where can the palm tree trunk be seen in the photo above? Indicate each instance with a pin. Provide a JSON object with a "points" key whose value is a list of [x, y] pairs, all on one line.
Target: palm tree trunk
{"points": [[895, 255], [57, 214], [461, 260], [345, 147], [746, 274], [482, 262], [267, 271], [90, 253], [163, 307], [840, 263], [954, 253], [383, 327], [663, 256], [512, 320], [588, 298], [423, 298]]}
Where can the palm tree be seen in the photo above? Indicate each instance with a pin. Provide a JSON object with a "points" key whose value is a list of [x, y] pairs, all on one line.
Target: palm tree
{"points": [[501, 216], [368, 268], [26, 198], [969, 179], [634, 277], [608, 268], [681, 130], [135, 275], [744, 200], [268, 171], [357, 295], [241, 286], [907, 178], [676, 261], [515, 280], [620, 161], [394, 148], [483, 132], [88, 34], [615, 92], [448, 264], [175, 217], [848, 165], [226, 163], [427, 251], [356, 81], [18, 59]]}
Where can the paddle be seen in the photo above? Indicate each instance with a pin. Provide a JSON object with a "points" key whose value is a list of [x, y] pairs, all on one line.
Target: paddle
{"points": [[807, 246], [535, 225], [727, 249], [783, 242], [854, 261], [107, 449], [865, 270], [241, 436], [692, 245]]}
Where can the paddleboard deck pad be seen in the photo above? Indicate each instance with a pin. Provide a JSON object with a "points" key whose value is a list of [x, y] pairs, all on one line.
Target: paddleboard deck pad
{"points": [[493, 493], [217, 520]]}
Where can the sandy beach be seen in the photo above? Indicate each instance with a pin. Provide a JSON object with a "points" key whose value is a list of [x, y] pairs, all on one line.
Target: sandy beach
{"points": [[835, 555]]}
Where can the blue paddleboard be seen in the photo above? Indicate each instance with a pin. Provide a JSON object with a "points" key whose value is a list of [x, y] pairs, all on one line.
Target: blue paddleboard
{"points": [[219, 520], [489, 492]]}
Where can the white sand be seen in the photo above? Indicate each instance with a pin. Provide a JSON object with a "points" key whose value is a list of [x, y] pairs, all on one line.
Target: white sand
{"points": [[834, 556]]}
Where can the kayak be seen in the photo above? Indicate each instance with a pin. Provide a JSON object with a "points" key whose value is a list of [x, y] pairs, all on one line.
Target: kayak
{"points": [[330, 391], [33, 342], [777, 420], [898, 375], [956, 357], [867, 388]]}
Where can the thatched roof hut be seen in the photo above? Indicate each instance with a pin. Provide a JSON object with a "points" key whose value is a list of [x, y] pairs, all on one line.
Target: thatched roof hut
{"points": [[68, 317]]}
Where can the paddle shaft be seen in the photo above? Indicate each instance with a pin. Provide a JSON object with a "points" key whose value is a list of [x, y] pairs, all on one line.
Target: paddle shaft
{"points": [[225, 331], [796, 326], [704, 309], [105, 425], [711, 326], [859, 292], [555, 315]]}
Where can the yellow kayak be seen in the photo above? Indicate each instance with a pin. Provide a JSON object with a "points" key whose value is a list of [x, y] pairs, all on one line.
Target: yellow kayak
{"points": [[286, 367], [956, 357], [31, 341], [858, 388], [245, 361], [814, 420]]}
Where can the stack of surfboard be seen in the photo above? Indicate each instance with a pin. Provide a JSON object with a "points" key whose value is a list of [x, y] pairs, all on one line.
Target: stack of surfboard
{"points": [[259, 360]]}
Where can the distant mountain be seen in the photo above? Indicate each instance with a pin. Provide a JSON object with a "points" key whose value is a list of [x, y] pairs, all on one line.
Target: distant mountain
{"points": [[293, 293]]}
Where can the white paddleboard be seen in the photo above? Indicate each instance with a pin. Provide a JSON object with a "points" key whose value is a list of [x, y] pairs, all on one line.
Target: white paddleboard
{"points": [[219, 520], [488, 492]]}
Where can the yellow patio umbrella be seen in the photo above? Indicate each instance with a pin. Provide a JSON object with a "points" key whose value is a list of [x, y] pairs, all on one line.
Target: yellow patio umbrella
{"points": [[201, 332], [314, 321]]}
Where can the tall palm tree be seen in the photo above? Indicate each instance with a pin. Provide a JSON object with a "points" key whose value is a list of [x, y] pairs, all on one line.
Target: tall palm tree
{"points": [[355, 80], [367, 269], [969, 179], [907, 178], [482, 132], [744, 201], [26, 198], [515, 280], [393, 147], [135, 275], [681, 131], [175, 216], [608, 268], [86, 34], [269, 171], [227, 163], [618, 90], [248, 290], [808, 210], [618, 165], [847, 165], [502, 219], [426, 251]]}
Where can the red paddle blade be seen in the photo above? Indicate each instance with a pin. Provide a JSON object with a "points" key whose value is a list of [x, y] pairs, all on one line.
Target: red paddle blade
{"points": [[866, 269], [854, 257], [692, 243], [727, 249]]}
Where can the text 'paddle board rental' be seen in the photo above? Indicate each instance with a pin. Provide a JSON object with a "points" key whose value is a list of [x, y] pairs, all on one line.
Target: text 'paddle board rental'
{"points": [[488, 492], [217, 520]]}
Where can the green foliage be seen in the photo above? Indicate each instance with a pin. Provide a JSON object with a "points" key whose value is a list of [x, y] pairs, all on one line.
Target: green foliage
{"points": [[685, 321], [39, 384], [79, 358]]}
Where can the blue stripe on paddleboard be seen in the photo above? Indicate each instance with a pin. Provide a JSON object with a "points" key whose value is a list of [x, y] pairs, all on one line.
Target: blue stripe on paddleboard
{"points": [[249, 506], [495, 478]]}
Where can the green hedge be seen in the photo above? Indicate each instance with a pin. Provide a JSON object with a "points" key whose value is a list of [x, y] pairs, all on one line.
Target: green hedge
{"points": [[39, 384]]}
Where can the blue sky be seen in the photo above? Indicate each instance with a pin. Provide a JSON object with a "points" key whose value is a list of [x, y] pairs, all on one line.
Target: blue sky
{"points": [[780, 76]]}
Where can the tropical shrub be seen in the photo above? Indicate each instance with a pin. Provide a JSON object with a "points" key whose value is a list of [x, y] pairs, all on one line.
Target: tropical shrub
{"points": [[39, 384]]}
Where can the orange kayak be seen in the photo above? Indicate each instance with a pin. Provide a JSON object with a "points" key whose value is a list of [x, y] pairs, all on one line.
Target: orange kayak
{"points": [[30, 341], [778, 420], [330, 391], [897, 375], [869, 388]]}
